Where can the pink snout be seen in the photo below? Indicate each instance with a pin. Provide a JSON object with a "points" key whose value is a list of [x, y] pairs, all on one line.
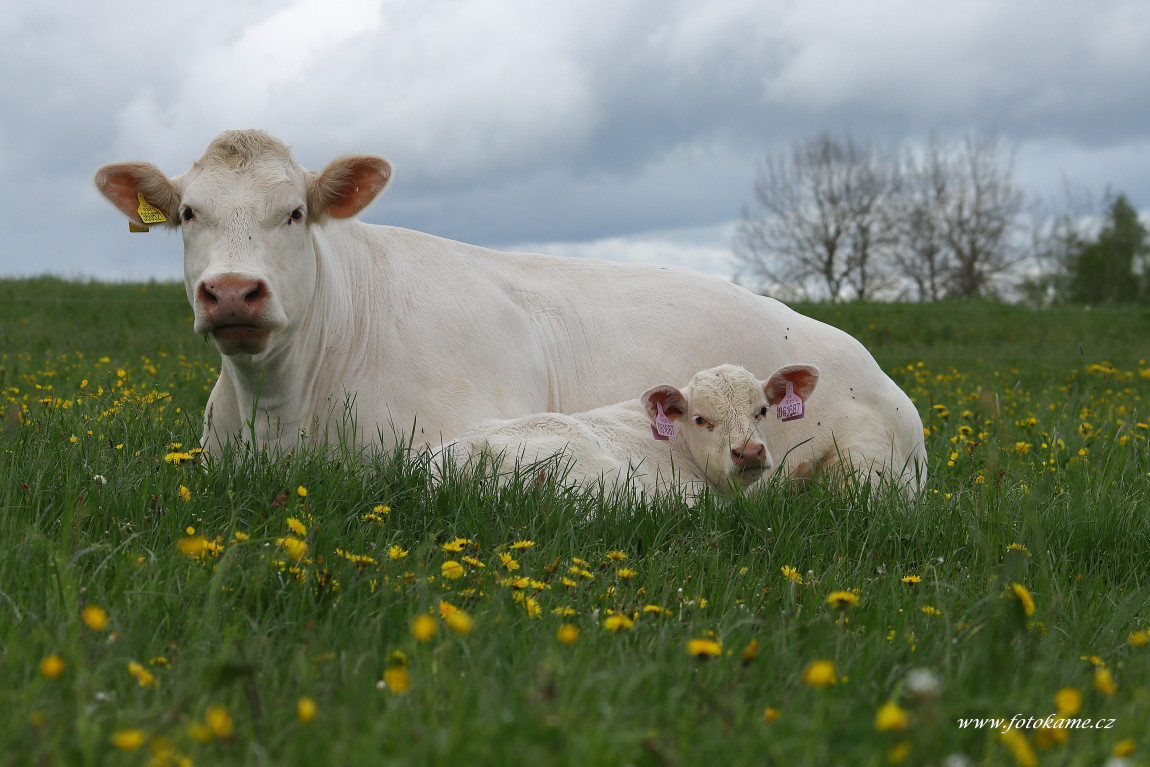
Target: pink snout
{"points": [[232, 299], [751, 456], [232, 307]]}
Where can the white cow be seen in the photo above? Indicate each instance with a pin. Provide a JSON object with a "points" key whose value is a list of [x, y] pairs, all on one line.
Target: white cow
{"points": [[325, 322], [712, 432]]}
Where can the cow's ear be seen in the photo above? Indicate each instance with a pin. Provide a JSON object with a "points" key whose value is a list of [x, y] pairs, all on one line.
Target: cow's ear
{"points": [[802, 378], [673, 402], [347, 186], [124, 183]]}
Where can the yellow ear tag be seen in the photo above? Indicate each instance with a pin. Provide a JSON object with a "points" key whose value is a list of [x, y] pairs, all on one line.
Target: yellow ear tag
{"points": [[149, 213], [134, 227]]}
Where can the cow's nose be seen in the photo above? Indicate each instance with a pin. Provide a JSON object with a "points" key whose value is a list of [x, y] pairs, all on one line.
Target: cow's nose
{"points": [[752, 455], [232, 298]]}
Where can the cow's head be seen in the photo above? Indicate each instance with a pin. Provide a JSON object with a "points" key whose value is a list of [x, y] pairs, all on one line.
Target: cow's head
{"points": [[244, 210], [721, 417]]}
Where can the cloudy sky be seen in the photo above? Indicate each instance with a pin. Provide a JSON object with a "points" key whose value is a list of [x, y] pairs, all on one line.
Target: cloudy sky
{"points": [[627, 129]]}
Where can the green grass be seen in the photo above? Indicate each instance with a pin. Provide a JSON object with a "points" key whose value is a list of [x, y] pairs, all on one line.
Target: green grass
{"points": [[110, 381]]}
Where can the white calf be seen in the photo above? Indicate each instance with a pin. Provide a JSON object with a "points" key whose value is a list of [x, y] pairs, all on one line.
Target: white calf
{"points": [[713, 432]]}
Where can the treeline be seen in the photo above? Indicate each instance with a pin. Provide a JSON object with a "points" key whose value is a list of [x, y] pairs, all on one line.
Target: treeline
{"points": [[838, 219]]}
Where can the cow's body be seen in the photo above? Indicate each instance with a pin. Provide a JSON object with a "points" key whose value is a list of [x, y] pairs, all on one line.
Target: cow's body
{"points": [[317, 313], [710, 433]]}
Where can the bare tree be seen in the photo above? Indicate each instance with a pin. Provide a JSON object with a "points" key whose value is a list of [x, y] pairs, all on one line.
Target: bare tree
{"points": [[980, 218], [922, 255], [822, 221]]}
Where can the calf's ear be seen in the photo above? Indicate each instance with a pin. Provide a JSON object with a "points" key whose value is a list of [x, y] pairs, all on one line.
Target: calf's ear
{"points": [[347, 186], [124, 183], [802, 378], [673, 402]]}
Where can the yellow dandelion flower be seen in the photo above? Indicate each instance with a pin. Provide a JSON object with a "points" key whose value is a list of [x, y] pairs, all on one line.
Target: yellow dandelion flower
{"points": [[568, 633], [1138, 638], [193, 546], [626, 573], [397, 552], [1086, 429], [1019, 747], [455, 619], [176, 458], [911, 579], [508, 561], [143, 676], [295, 548], [770, 714], [616, 556], [1024, 597], [1054, 735], [1018, 547], [842, 599], [792, 574], [1067, 702], [397, 680], [94, 617], [296, 527], [301, 491], [199, 732], [617, 622], [819, 673], [704, 648], [240, 536], [521, 545], [305, 709], [452, 570], [185, 494], [1104, 681], [1124, 748], [1022, 448], [128, 740], [473, 562], [52, 666], [657, 609], [423, 627], [456, 545], [219, 721], [931, 610], [890, 716], [751, 651]]}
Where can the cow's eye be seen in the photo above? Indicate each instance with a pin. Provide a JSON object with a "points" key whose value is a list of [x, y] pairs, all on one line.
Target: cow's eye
{"points": [[700, 420], [763, 410], [188, 214], [296, 215]]}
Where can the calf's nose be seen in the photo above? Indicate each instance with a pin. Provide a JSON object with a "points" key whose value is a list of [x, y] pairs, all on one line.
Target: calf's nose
{"points": [[752, 455]]}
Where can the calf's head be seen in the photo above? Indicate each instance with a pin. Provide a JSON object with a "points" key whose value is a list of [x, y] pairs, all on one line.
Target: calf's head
{"points": [[244, 210], [721, 417]]}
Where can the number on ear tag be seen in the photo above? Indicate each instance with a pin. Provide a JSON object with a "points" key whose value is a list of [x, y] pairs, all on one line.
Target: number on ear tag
{"points": [[664, 427], [790, 407], [149, 213]]}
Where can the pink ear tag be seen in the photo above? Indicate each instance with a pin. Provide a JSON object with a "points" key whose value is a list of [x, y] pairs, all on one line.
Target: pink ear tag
{"points": [[664, 427], [790, 406]]}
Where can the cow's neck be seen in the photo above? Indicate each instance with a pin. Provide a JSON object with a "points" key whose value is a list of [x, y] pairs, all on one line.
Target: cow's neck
{"points": [[297, 393]]}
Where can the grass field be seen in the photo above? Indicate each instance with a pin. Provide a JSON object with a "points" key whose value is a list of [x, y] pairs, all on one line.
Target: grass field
{"points": [[318, 611]]}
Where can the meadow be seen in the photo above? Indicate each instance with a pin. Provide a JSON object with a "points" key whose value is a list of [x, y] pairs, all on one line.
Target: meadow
{"points": [[326, 609]]}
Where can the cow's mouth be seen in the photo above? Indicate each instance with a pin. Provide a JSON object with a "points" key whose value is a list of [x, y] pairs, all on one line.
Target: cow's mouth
{"points": [[240, 338]]}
